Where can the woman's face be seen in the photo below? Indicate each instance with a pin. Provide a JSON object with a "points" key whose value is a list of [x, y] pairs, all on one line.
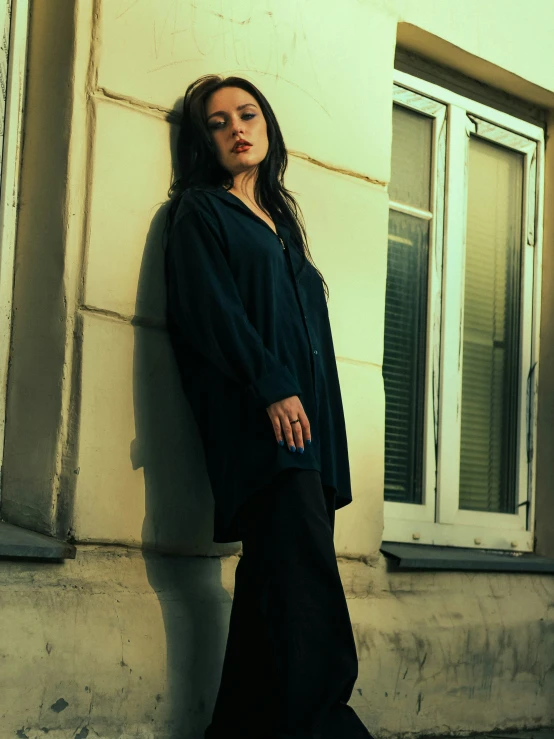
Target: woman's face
{"points": [[238, 129]]}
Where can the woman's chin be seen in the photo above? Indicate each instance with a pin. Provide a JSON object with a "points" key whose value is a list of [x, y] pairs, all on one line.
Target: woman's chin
{"points": [[242, 167]]}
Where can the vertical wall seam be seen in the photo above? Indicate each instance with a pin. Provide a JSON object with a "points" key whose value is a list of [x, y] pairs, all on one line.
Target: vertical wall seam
{"points": [[91, 84], [67, 453]]}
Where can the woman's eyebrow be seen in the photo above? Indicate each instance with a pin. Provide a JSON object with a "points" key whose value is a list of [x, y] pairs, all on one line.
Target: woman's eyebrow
{"points": [[239, 107]]}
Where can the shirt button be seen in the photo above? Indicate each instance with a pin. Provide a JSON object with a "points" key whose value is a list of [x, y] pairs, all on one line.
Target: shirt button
{"points": [[315, 351]]}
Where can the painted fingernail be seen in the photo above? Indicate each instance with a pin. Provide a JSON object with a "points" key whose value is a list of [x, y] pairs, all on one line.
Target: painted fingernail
{"points": [[292, 448], [301, 450], [281, 442], [309, 442]]}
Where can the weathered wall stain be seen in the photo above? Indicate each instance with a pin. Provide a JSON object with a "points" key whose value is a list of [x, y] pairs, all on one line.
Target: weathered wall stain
{"points": [[460, 661]]}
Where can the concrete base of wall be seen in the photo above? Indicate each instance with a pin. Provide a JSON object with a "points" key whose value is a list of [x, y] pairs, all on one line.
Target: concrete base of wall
{"points": [[117, 643], [120, 644], [452, 652]]}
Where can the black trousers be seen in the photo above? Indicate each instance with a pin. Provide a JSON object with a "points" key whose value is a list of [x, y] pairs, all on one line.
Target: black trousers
{"points": [[290, 663]]}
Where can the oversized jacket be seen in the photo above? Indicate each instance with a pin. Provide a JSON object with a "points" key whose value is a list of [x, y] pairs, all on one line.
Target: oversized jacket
{"points": [[249, 326]]}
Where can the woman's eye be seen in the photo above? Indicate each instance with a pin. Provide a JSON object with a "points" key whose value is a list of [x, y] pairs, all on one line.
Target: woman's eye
{"points": [[248, 116], [217, 124]]}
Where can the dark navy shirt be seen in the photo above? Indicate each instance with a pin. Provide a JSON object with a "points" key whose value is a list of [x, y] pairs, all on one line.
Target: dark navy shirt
{"points": [[249, 325]]}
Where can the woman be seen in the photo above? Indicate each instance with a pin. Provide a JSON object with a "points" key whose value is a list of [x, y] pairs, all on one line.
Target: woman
{"points": [[248, 320]]}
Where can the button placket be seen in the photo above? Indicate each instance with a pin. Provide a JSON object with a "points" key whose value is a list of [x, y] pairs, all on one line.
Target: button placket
{"points": [[298, 290]]}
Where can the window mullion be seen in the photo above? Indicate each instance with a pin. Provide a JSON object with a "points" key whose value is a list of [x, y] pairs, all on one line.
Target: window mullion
{"points": [[535, 307], [527, 369], [450, 397], [434, 312]]}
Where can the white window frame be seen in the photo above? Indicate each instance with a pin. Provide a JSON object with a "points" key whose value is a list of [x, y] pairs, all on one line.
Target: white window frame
{"points": [[9, 187], [438, 520]]}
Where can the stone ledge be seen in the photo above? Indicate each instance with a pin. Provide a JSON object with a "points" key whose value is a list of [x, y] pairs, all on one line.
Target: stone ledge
{"points": [[428, 557], [18, 543], [538, 733]]}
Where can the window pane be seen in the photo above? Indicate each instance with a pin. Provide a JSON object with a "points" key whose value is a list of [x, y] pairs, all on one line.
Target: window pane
{"points": [[412, 138], [491, 329], [404, 356]]}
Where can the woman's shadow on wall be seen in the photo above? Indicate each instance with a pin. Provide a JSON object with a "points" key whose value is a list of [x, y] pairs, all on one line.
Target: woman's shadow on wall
{"points": [[182, 563]]}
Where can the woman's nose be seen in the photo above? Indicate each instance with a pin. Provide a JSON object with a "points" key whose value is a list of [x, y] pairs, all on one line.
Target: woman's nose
{"points": [[237, 127]]}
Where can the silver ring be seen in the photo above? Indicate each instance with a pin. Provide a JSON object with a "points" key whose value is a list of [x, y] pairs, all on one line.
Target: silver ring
{"points": [[297, 421]]}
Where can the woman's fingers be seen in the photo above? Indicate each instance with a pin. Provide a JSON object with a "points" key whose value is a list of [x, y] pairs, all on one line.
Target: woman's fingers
{"points": [[290, 423], [287, 432], [306, 431], [301, 431], [298, 435], [276, 422]]}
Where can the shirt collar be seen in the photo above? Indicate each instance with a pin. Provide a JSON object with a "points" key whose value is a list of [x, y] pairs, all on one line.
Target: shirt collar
{"points": [[228, 197]]}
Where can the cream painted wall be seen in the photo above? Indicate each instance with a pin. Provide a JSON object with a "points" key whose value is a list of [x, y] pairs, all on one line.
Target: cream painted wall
{"points": [[310, 64], [144, 61], [513, 35]]}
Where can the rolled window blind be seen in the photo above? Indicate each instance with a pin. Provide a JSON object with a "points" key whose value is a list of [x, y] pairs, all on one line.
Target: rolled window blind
{"points": [[411, 158], [491, 328], [406, 306]]}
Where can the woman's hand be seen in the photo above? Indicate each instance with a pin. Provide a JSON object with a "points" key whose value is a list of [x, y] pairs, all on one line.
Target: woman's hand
{"points": [[282, 414]]}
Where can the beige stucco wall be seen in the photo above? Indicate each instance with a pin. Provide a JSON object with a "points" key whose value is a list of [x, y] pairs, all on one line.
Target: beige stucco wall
{"points": [[142, 58], [100, 442]]}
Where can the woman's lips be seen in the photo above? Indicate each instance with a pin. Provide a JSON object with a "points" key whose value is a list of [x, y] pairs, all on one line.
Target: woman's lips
{"points": [[241, 147]]}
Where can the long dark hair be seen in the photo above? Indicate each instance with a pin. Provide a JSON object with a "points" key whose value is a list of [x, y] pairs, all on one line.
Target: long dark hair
{"points": [[198, 164]]}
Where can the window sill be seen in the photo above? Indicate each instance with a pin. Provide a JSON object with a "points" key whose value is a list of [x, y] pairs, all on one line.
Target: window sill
{"points": [[428, 557], [18, 543]]}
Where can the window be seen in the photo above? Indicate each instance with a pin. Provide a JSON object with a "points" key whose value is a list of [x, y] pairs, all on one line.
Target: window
{"points": [[461, 321]]}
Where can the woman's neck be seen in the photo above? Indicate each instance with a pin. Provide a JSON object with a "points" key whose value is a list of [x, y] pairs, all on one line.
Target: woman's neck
{"points": [[244, 189], [244, 185]]}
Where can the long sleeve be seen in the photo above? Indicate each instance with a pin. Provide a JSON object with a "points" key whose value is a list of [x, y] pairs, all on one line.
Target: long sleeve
{"points": [[207, 312]]}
